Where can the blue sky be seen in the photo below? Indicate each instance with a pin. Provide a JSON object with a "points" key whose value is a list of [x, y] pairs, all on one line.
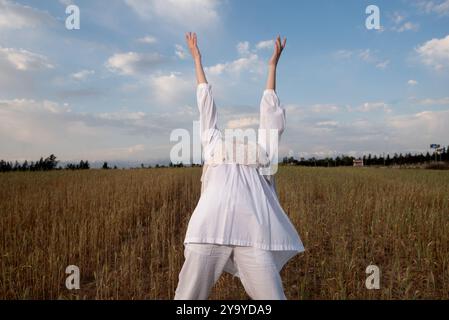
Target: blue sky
{"points": [[116, 88]]}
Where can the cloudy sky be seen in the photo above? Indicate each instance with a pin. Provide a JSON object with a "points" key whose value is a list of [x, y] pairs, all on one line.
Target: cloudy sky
{"points": [[116, 88]]}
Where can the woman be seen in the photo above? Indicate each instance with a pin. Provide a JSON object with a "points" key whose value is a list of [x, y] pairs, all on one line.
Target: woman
{"points": [[238, 225]]}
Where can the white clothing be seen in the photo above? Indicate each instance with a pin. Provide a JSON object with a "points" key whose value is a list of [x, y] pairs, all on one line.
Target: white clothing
{"points": [[238, 205], [204, 265]]}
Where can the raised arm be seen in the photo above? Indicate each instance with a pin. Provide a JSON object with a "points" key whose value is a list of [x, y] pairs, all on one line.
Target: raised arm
{"points": [[272, 115], [204, 95], [192, 43], [272, 65]]}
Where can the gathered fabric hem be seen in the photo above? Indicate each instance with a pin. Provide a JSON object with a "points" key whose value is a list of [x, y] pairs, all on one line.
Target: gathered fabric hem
{"points": [[273, 247]]}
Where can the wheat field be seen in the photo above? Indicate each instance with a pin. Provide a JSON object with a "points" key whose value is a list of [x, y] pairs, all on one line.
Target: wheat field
{"points": [[124, 230]]}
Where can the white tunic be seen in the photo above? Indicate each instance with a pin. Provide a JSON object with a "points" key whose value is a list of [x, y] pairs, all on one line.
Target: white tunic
{"points": [[238, 205]]}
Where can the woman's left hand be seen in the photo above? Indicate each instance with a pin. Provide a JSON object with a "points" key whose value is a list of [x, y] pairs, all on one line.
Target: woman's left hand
{"points": [[278, 48]]}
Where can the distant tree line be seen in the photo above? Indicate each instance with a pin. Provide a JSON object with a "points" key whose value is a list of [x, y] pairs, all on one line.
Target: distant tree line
{"points": [[106, 166], [171, 165], [51, 162], [47, 164], [83, 165], [370, 160], [181, 165]]}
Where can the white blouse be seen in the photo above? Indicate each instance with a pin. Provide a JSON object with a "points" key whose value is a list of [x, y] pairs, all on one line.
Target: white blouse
{"points": [[239, 205]]}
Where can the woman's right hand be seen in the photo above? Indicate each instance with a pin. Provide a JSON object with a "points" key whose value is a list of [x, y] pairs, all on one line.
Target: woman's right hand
{"points": [[192, 44], [278, 48]]}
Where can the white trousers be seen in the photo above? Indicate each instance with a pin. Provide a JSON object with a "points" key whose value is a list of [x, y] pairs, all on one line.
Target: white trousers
{"points": [[204, 264]]}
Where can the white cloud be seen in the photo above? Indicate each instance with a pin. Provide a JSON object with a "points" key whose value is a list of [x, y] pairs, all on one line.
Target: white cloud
{"points": [[401, 25], [435, 53], [187, 13], [121, 115], [407, 26], [133, 63], [419, 130], [24, 60], [434, 6], [180, 52], [217, 69], [366, 55], [267, 44], [66, 2], [359, 133], [249, 61], [147, 40], [171, 89], [329, 123], [243, 48], [129, 150], [374, 106], [242, 123], [325, 108], [434, 102], [136, 148], [251, 64], [17, 16], [383, 65], [343, 54], [397, 18], [82, 75], [412, 83], [32, 105], [112, 154], [31, 129], [17, 117]]}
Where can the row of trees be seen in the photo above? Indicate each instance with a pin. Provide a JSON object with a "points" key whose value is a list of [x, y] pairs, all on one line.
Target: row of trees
{"points": [[83, 165], [47, 164], [106, 166], [51, 162], [371, 160]]}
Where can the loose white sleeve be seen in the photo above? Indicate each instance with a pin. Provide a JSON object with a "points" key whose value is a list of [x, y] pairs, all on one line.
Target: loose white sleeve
{"points": [[208, 113], [272, 125], [272, 115]]}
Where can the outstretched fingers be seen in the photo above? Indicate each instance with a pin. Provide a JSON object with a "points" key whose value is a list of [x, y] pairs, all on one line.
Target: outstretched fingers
{"points": [[192, 43], [280, 44], [191, 39], [284, 43]]}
